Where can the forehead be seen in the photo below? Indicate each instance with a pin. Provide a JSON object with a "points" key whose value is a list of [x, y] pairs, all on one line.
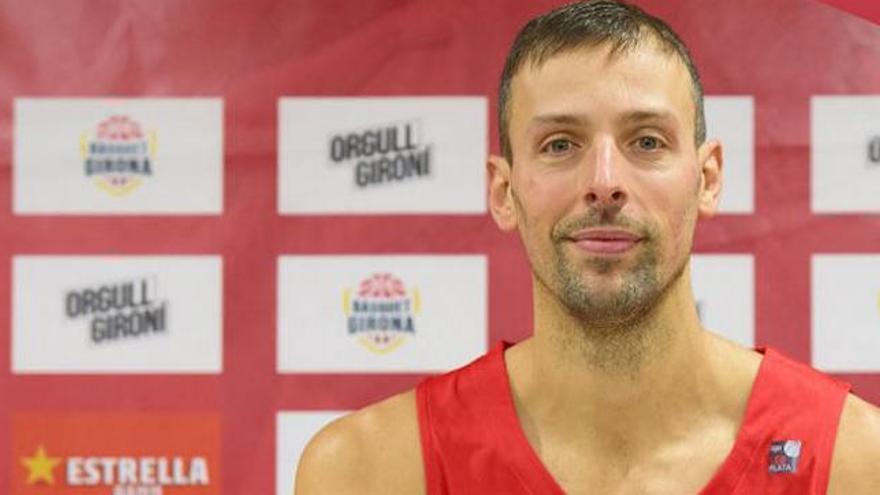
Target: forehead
{"points": [[597, 83]]}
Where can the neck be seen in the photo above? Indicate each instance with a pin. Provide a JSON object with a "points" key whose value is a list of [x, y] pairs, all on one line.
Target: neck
{"points": [[631, 379]]}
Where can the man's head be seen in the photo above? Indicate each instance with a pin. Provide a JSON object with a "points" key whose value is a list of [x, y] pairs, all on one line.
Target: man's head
{"points": [[601, 111], [621, 26]]}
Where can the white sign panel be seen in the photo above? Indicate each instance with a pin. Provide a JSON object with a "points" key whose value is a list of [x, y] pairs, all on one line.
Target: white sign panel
{"points": [[845, 157], [382, 155], [115, 156], [731, 119], [120, 314], [846, 313], [363, 314], [724, 288]]}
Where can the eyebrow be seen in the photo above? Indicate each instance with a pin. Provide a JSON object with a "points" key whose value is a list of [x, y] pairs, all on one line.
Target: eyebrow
{"points": [[641, 116], [559, 118], [633, 117]]}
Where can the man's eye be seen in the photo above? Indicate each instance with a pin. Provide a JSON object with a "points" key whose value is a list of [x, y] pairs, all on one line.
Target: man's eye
{"points": [[558, 146], [649, 143]]}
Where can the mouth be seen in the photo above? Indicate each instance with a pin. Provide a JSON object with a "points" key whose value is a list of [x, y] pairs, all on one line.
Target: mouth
{"points": [[605, 241]]}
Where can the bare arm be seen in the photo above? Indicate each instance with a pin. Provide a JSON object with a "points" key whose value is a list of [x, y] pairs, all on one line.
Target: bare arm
{"points": [[855, 467], [375, 450]]}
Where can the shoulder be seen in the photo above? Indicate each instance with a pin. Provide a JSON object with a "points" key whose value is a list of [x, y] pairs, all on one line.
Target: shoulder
{"points": [[373, 450], [856, 450]]}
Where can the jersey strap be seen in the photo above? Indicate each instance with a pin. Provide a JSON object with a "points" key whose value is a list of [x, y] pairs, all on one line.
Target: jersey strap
{"points": [[471, 439], [786, 440]]}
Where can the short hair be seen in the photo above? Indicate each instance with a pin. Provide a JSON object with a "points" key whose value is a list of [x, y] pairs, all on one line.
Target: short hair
{"points": [[588, 24]]}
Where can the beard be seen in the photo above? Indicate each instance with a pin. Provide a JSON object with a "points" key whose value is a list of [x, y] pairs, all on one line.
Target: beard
{"points": [[611, 299], [609, 304], [615, 334]]}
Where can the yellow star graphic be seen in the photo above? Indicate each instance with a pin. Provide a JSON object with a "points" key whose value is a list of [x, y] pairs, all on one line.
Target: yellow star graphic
{"points": [[40, 467]]}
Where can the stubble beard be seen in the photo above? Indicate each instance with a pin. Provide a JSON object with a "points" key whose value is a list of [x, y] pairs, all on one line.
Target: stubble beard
{"points": [[598, 305], [614, 330], [603, 308]]}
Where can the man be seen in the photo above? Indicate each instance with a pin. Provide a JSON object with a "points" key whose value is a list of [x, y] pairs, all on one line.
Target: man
{"points": [[605, 172]]}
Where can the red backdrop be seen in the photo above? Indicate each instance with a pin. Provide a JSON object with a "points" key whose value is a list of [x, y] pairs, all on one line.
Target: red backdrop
{"points": [[252, 52]]}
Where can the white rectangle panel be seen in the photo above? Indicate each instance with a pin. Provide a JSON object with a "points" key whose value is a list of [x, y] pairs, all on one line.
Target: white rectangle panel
{"points": [[731, 119], [442, 298], [846, 312], [117, 314], [845, 154], [429, 152], [726, 308], [62, 147]]}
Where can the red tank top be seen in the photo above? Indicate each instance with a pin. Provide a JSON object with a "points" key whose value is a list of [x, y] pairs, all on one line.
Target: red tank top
{"points": [[472, 441]]}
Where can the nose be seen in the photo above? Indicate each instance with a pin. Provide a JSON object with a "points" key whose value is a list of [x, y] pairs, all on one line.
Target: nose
{"points": [[605, 186]]}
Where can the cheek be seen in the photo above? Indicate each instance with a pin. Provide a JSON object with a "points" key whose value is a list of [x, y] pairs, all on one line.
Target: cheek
{"points": [[682, 227], [684, 221], [542, 200], [675, 209]]}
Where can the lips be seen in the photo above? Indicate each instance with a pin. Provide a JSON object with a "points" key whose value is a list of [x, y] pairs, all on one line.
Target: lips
{"points": [[605, 241]]}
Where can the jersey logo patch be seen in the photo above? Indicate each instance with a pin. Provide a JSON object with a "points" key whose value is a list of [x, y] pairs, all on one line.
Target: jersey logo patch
{"points": [[784, 455]]}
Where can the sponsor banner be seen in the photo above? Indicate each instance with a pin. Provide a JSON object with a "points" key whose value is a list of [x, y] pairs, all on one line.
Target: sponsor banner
{"points": [[727, 309], [845, 157], [120, 314], [365, 314], [382, 155], [115, 454], [116, 156], [846, 312], [731, 119], [293, 432]]}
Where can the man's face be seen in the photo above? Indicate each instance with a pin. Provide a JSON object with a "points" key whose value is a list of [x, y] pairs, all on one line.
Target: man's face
{"points": [[606, 181]]}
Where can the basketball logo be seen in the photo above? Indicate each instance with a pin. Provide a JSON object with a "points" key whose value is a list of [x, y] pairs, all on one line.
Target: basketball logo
{"points": [[381, 312]]}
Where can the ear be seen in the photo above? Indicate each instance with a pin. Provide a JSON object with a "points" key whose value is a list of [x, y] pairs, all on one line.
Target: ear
{"points": [[500, 195], [711, 165]]}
